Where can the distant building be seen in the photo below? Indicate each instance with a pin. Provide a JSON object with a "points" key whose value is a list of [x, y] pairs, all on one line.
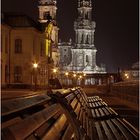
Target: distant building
{"points": [[25, 42], [132, 73], [82, 57]]}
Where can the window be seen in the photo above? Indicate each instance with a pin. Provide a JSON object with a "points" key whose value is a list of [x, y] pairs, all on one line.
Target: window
{"points": [[87, 59], [87, 40], [6, 73], [18, 46], [42, 52], [47, 15], [82, 38], [1, 43], [6, 44], [17, 74], [34, 46]]}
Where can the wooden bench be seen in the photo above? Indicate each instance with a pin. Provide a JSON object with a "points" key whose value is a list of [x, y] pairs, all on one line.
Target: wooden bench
{"points": [[39, 118], [61, 115], [101, 123]]}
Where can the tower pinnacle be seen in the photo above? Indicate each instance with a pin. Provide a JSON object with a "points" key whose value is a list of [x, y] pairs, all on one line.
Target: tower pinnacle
{"points": [[47, 8], [84, 3]]}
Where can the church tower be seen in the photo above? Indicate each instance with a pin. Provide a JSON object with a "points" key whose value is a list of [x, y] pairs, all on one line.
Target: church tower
{"points": [[47, 8], [84, 51], [47, 17]]}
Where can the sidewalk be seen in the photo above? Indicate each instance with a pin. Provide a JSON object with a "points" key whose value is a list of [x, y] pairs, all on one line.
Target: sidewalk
{"points": [[17, 93]]}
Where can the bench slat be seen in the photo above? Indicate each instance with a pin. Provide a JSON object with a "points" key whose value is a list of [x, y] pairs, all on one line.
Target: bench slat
{"points": [[107, 132], [122, 129], [115, 132], [54, 131], [99, 131], [25, 127], [68, 133]]}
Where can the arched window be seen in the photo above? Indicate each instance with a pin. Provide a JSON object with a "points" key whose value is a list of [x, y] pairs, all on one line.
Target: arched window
{"points": [[87, 39], [47, 15], [82, 38], [18, 46], [87, 59]]}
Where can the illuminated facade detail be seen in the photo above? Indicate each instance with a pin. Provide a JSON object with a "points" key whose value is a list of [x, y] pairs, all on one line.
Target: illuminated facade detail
{"points": [[47, 8], [25, 42], [83, 51], [22, 46], [47, 17]]}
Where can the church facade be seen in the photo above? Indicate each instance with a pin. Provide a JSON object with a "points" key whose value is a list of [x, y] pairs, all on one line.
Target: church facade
{"points": [[83, 51]]}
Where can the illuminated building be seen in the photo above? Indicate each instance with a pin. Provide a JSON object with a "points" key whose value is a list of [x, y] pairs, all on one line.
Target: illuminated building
{"points": [[131, 73], [26, 42], [23, 44], [47, 17], [83, 50]]}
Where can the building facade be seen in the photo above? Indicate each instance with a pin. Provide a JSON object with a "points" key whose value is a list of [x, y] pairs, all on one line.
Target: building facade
{"points": [[83, 49], [79, 56], [24, 43], [131, 73], [47, 17]]}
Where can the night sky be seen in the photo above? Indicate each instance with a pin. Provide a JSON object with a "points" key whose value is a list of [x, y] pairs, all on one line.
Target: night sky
{"points": [[116, 33]]}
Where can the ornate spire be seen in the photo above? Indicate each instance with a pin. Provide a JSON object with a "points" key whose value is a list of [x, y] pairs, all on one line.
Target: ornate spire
{"points": [[90, 3], [78, 3], [47, 2], [84, 3]]}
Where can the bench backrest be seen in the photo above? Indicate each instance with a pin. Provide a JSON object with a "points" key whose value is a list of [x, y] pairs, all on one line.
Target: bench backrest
{"points": [[38, 117], [107, 125]]}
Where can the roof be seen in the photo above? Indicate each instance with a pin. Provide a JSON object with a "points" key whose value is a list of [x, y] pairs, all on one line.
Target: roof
{"points": [[20, 20]]}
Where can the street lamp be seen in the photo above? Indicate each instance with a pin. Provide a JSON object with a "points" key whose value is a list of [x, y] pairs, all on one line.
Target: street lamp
{"points": [[66, 74], [74, 79], [126, 76], [35, 66], [54, 71]]}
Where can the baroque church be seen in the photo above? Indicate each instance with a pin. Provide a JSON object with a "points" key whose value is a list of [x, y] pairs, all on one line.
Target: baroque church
{"points": [[80, 56]]}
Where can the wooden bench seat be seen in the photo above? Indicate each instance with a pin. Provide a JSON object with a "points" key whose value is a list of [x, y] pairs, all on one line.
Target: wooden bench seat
{"points": [[63, 115], [103, 113], [52, 121], [111, 129], [94, 99], [98, 109], [102, 122], [97, 104]]}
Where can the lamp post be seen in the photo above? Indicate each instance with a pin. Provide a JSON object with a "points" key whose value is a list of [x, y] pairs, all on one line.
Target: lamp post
{"points": [[75, 82], [66, 74], [126, 76], [84, 79], [35, 66], [54, 73]]}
